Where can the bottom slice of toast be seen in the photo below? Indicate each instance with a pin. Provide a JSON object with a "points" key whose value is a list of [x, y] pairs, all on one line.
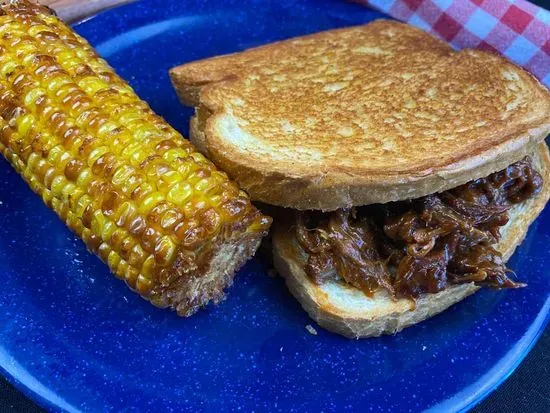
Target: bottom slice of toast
{"points": [[346, 310]]}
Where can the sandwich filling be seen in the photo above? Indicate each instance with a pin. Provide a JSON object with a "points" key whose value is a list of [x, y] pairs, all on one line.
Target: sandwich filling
{"points": [[422, 245]]}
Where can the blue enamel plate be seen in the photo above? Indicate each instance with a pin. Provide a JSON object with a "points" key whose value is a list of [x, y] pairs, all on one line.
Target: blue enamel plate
{"points": [[74, 338]]}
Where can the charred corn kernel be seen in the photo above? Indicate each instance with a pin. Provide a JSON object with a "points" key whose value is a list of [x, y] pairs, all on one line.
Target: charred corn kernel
{"points": [[131, 277], [96, 153], [206, 185], [49, 176], [125, 210], [180, 193], [34, 30], [121, 140], [170, 218], [143, 284], [68, 190], [24, 124], [149, 267], [131, 148], [172, 154], [34, 160], [143, 132], [61, 162], [65, 89], [198, 157], [149, 202], [73, 197], [137, 256], [197, 175], [105, 129], [54, 153], [142, 191], [171, 177], [129, 185], [121, 270], [81, 205], [84, 178], [8, 67], [129, 116], [112, 260], [57, 186], [107, 231], [103, 251], [211, 220], [122, 174], [220, 176], [33, 95], [215, 200], [98, 222], [56, 83], [92, 84], [138, 156]]}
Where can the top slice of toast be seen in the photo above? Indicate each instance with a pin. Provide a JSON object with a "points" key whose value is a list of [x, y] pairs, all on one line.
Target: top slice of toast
{"points": [[361, 115]]}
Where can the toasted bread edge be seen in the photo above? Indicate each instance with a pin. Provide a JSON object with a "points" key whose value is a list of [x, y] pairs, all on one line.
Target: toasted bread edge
{"points": [[300, 191]]}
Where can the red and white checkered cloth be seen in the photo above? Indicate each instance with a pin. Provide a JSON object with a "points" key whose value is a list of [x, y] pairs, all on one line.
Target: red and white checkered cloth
{"points": [[516, 29]]}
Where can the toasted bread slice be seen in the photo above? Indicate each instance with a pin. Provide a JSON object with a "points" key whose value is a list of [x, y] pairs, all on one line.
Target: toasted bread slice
{"points": [[346, 310], [361, 115]]}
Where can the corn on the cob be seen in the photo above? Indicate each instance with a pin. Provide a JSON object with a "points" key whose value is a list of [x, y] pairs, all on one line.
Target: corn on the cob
{"points": [[139, 195]]}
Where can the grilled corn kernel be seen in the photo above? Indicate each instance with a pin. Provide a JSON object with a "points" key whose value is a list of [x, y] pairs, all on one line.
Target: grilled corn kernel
{"points": [[129, 185]]}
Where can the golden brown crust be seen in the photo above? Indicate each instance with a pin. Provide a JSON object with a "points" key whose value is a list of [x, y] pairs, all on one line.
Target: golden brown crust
{"points": [[370, 114], [197, 136], [188, 93], [347, 311]]}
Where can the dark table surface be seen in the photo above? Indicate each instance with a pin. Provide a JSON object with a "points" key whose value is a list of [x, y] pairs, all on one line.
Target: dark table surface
{"points": [[526, 390]]}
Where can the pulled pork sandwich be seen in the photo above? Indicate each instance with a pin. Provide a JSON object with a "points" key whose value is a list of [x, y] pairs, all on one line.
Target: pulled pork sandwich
{"points": [[412, 170]]}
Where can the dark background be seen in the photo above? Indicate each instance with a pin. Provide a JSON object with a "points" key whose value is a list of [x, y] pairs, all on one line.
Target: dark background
{"points": [[526, 390]]}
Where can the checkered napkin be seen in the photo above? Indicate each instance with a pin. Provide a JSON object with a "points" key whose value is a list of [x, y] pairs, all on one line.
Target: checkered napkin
{"points": [[516, 29]]}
